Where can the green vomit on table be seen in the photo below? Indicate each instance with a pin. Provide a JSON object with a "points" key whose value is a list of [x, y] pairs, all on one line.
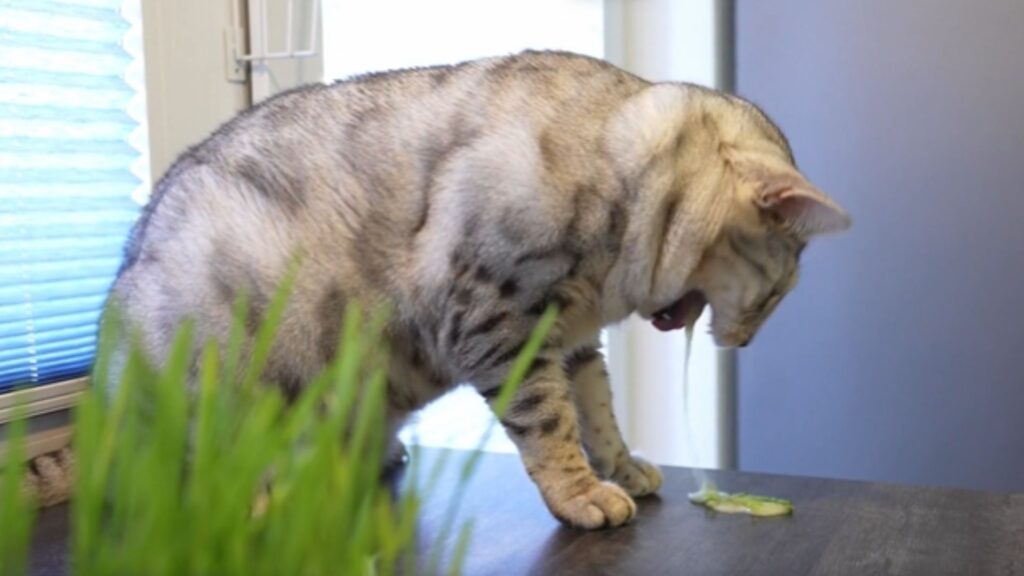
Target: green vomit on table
{"points": [[740, 502], [709, 495]]}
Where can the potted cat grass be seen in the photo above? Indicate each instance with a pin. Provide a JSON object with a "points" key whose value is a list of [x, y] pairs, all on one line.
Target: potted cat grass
{"points": [[234, 479]]}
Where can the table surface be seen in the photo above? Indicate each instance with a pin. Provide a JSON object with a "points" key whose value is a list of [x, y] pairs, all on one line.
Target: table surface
{"points": [[840, 527]]}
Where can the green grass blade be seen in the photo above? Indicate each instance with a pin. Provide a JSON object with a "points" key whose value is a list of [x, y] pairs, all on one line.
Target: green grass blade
{"points": [[461, 548], [172, 459], [17, 512], [515, 377]]}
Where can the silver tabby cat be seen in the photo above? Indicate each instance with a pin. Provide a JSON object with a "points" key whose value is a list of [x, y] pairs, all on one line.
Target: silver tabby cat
{"points": [[468, 198]]}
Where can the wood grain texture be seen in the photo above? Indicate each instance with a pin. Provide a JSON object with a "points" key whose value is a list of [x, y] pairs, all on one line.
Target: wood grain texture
{"points": [[839, 528]]}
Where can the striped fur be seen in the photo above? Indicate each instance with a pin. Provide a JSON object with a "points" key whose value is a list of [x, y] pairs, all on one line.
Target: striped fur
{"points": [[469, 198]]}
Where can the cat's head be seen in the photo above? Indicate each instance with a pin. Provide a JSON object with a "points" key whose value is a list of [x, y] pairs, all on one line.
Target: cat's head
{"points": [[730, 216], [754, 261]]}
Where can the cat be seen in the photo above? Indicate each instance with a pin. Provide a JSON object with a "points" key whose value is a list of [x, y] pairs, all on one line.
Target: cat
{"points": [[469, 198]]}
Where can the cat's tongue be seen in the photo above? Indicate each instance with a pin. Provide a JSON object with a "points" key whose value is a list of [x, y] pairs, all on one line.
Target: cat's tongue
{"points": [[684, 311]]}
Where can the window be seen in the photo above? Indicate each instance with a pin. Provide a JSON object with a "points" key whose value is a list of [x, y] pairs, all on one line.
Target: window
{"points": [[73, 175], [386, 34]]}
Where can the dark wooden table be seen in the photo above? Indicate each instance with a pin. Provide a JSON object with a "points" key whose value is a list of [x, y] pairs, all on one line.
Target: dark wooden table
{"points": [[840, 527]]}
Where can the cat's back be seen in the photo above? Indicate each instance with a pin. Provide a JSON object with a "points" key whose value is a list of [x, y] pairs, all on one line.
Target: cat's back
{"points": [[531, 80], [332, 165], [397, 113]]}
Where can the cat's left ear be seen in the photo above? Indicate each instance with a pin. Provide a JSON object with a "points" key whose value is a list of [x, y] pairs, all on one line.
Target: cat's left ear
{"points": [[802, 208]]}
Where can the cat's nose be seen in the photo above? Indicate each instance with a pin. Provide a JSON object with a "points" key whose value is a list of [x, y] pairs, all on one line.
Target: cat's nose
{"points": [[745, 342]]}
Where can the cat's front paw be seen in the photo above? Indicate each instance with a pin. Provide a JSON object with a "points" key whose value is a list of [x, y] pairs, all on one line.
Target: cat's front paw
{"points": [[596, 504], [636, 476]]}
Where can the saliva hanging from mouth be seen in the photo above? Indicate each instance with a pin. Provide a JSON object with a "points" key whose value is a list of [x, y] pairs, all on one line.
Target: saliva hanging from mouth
{"points": [[708, 494]]}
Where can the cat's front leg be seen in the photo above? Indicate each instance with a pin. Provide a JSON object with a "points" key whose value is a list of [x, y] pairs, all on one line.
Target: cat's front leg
{"points": [[541, 420], [603, 442]]}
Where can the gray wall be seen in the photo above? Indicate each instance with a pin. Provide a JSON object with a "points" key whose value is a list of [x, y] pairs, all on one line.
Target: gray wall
{"points": [[899, 357]]}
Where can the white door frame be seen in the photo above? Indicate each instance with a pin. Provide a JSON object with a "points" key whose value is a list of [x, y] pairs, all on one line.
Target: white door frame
{"points": [[672, 40]]}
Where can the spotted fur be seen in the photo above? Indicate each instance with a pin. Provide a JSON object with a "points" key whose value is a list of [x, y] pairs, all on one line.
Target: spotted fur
{"points": [[470, 198]]}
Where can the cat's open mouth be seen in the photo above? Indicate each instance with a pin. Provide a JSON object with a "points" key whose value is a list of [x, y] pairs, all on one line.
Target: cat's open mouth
{"points": [[684, 311]]}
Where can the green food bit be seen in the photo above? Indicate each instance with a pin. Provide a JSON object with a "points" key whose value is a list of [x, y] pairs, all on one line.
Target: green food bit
{"points": [[740, 503]]}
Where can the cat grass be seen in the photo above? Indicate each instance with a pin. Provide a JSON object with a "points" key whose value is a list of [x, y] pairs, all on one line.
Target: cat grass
{"points": [[17, 514], [231, 479]]}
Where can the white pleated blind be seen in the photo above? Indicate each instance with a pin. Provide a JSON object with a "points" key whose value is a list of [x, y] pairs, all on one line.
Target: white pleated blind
{"points": [[73, 170]]}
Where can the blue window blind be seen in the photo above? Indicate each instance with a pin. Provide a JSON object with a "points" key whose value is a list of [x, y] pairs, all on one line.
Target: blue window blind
{"points": [[73, 171]]}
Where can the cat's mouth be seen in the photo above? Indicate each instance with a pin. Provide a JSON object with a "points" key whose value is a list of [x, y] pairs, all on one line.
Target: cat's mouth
{"points": [[680, 313]]}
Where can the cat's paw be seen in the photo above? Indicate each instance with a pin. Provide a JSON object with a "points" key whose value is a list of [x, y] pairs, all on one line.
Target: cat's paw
{"points": [[598, 505], [636, 476]]}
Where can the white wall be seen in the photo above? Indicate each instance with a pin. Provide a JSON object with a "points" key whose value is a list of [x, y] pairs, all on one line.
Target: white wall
{"points": [[188, 93], [667, 40], [363, 36], [277, 75]]}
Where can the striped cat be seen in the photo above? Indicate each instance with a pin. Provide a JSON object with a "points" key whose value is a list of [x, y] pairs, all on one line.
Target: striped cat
{"points": [[469, 198]]}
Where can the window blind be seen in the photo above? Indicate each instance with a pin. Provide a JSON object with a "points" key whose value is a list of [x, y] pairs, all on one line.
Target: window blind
{"points": [[73, 170]]}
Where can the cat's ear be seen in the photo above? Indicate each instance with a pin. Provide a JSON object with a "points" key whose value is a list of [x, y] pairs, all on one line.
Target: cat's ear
{"points": [[802, 208]]}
